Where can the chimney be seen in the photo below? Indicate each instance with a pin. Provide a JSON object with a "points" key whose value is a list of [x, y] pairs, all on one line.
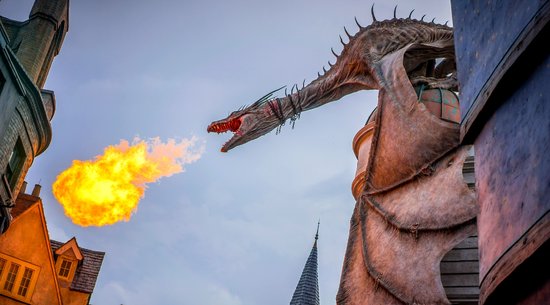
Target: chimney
{"points": [[36, 190], [23, 188]]}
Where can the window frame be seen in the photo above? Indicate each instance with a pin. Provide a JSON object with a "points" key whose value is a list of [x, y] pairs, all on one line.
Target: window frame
{"points": [[18, 280], [16, 162], [72, 268]]}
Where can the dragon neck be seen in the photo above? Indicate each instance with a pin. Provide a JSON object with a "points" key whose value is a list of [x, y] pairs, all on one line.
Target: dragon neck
{"points": [[354, 67]]}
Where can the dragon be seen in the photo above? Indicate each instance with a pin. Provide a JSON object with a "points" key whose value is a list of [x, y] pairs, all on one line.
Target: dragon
{"points": [[415, 206]]}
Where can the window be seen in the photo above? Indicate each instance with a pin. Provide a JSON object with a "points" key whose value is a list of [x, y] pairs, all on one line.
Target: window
{"points": [[25, 282], [65, 268], [10, 278], [2, 264], [17, 278], [15, 164]]}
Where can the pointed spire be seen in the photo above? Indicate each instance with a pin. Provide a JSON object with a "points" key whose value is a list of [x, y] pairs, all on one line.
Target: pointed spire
{"points": [[317, 233], [307, 290]]}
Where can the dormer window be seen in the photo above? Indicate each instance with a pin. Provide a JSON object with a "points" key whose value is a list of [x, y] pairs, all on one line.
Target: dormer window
{"points": [[68, 257], [65, 268]]}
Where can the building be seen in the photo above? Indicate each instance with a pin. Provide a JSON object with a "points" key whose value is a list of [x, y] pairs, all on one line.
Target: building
{"points": [[27, 50], [503, 68], [307, 290], [37, 270]]}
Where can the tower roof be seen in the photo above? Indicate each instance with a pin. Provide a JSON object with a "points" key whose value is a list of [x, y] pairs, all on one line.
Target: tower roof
{"points": [[307, 290]]}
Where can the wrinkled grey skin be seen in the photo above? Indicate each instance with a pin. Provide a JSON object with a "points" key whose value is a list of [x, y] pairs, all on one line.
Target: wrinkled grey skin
{"points": [[354, 70]]}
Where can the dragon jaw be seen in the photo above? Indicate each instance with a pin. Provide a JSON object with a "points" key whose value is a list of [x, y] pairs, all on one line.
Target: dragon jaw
{"points": [[231, 123]]}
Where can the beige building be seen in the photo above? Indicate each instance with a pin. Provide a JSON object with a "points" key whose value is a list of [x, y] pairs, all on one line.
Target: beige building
{"points": [[37, 270]]}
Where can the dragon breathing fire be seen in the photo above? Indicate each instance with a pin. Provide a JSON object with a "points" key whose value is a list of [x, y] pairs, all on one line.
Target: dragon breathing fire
{"points": [[355, 69], [415, 206]]}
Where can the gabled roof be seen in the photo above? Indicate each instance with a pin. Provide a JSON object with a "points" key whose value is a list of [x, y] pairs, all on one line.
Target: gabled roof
{"points": [[88, 270], [71, 245], [307, 290], [25, 203]]}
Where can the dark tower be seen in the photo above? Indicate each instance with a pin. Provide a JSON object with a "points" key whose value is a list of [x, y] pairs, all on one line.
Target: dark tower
{"points": [[39, 39], [27, 49], [307, 290]]}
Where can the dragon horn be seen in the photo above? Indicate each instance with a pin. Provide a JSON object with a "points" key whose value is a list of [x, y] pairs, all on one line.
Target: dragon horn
{"points": [[372, 13], [395, 12], [263, 98]]}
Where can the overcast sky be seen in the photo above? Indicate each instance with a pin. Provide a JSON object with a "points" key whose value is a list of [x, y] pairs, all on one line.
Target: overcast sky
{"points": [[234, 228]]}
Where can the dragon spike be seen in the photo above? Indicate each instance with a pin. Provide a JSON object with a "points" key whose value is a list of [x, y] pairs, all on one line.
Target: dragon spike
{"points": [[422, 19], [285, 92], [395, 12], [446, 22], [324, 70], [329, 64], [342, 41], [318, 74], [410, 15], [372, 13], [304, 84], [345, 30], [433, 20], [357, 22], [265, 97], [332, 50]]}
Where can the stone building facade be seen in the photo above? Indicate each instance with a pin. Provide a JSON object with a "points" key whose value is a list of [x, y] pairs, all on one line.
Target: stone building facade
{"points": [[27, 50]]}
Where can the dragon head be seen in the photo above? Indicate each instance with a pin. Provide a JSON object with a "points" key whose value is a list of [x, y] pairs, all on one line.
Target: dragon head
{"points": [[248, 123]]}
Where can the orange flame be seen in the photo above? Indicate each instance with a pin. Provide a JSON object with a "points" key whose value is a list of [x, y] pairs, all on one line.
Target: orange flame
{"points": [[107, 189]]}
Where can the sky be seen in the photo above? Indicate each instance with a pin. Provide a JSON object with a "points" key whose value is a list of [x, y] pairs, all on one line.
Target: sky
{"points": [[233, 228]]}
